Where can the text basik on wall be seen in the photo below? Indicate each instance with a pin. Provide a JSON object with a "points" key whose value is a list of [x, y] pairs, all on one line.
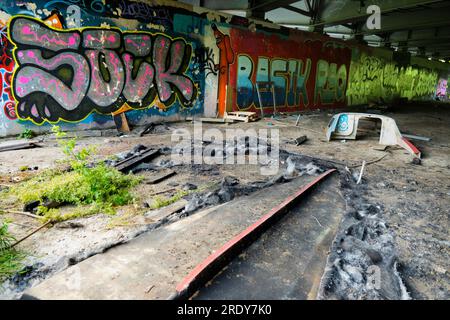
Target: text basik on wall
{"points": [[75, 62]]}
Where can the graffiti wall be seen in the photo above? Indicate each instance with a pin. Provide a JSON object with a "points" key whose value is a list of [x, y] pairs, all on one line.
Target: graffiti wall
{"points": [[66, 75], [293, 73], [78, 63], [372, 77], [441, 92]]}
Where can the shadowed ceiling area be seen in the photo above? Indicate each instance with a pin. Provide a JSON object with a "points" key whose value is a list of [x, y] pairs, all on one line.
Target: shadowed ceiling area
{"points": [[416, 26]]}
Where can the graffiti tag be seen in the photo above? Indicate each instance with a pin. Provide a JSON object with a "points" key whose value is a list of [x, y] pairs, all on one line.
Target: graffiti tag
{"points": [[66, 75]]}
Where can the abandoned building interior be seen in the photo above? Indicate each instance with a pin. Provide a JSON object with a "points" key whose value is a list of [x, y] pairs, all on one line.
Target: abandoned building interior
{"points": [[224, 150]]}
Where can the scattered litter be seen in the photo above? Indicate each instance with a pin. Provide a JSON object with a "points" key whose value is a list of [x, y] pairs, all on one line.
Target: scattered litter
{"points": [[159, 177], [173, 184], [144, 167], [371, 162], [380, 148], [414, 137], [31, 206], [129, 163], [301, 140], [150, 289], [361, 173], [153, 128], [318, 222], [298, 120], [291, 171], [69, 225], [189, 186]]}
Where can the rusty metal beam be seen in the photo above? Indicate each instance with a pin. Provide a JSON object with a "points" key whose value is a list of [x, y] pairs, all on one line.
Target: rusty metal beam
{"points": [[206, 270]]}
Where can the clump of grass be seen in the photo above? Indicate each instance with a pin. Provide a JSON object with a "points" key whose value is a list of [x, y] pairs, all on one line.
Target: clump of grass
{"points": [[94, 189], [10, 259], [26, 134], [6, 238], [160, 202]]}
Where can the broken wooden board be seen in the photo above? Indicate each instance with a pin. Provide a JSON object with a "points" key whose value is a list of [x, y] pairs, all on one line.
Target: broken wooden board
{"points": [[129, 163], [160, 176], [18, 145], [121, 123]]}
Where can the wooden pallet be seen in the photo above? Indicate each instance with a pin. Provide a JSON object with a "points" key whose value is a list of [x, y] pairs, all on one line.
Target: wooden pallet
{"points": [[242, 116]]}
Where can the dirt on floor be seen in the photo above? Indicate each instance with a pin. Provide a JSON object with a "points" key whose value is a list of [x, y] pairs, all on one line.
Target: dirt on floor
{"points": [[412, 200]]}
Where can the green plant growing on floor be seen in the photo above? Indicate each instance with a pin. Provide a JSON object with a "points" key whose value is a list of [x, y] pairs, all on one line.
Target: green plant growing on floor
{"points": [[26, 134], [160, 202], [10, 259], [93, 188]]}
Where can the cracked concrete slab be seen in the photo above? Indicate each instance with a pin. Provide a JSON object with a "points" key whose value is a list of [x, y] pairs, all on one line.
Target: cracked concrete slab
{"points": [[150, 266]]}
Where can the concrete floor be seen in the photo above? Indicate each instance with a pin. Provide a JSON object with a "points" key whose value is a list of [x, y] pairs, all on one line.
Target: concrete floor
{"points": [[415, 199]]}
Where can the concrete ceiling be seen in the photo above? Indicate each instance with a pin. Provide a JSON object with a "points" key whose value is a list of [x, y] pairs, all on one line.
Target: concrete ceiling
{"points": [[421, 27]]}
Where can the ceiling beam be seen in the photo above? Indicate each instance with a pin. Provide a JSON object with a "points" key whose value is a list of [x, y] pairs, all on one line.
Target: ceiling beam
{"points": [[270, 5], [297, 10], [364, 16]]}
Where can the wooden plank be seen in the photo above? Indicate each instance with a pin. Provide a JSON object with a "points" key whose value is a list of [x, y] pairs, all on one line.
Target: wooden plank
{"points": [[18, 145], [121, 123], [160, 177], [128, 164], [243, 113], [212, 120]]}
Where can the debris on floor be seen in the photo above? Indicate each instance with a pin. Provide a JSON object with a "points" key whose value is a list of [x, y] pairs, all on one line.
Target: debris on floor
{"points": [[363, 264], [155, 128], [368, 259], [301, 140], [18, 145], [135, 158], [345, 126]]}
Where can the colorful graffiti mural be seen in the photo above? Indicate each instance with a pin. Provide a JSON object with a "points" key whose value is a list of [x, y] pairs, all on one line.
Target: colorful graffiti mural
{"points": [[65, 75], [6, 70], [78, 62], [226, 58], [372, 77], [304, 72], [441, 91]]}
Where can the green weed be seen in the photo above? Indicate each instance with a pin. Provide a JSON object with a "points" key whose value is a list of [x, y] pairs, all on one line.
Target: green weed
{"points": [[94, 188], [26, 134], [10, 259]]}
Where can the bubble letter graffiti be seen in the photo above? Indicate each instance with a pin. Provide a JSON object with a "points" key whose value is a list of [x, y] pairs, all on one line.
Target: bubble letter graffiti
{"points": [[67, 74]]}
